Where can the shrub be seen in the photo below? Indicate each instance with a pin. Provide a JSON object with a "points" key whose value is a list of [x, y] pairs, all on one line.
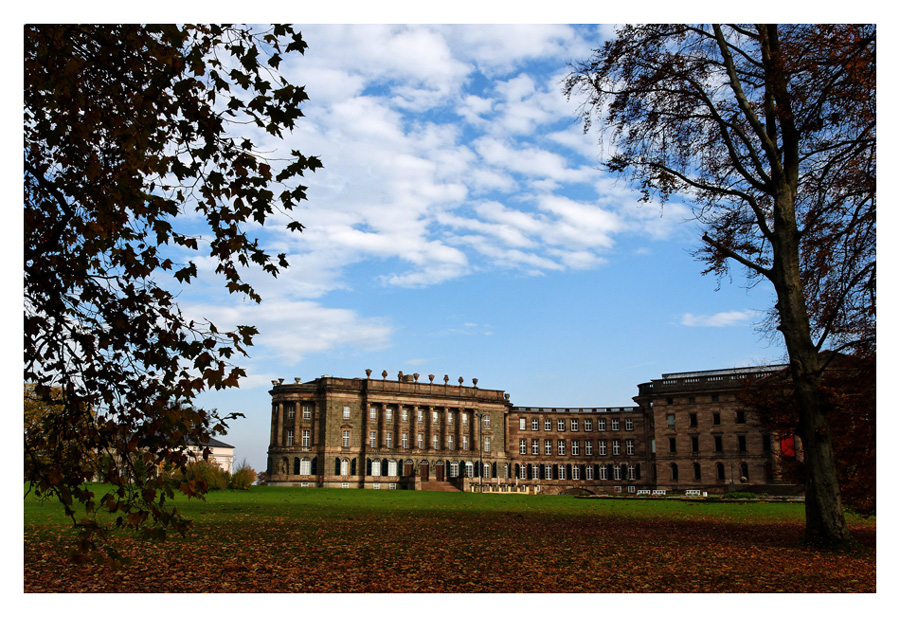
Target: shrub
{"points": [[243, 477]]}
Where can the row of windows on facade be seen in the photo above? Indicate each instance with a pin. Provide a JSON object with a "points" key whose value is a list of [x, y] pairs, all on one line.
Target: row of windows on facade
{"points": [[574, 446], [588, 424], [306, 440], [569, 471], [743, 470], [739, 418], [391, 467], [307, 410], [718, 441], [692, 400]]}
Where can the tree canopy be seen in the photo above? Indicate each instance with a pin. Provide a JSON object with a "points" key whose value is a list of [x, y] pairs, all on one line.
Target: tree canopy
{"points": [[132, 134], [769, 131]]}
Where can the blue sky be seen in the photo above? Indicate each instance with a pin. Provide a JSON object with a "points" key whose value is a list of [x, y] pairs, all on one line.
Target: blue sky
{"points": [[462, 226]]}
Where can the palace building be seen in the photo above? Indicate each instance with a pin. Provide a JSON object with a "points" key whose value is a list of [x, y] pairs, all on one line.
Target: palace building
{"points": [[687, 431]]}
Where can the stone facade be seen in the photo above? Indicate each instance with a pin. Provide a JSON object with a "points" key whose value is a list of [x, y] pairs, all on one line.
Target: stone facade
{"points": [[687, 432]]}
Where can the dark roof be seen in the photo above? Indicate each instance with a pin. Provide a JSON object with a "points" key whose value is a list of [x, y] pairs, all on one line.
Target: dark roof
{"points": [[212, 442]]}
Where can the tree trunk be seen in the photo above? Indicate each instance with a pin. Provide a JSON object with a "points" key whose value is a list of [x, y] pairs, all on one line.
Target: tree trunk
{"points": [[825, 524]]}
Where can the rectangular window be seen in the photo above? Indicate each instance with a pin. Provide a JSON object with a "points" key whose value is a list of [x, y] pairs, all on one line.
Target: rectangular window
{"points": [[718, 439], [617, 472], [373, 413], [434, 417], [603, 475], [575, 448], [588, 425], [548, 472], [695, 444], [741, 417], [346, 412], [449, 442], [561, 425], [420, 441], [404, 414], [486, 420], [672, 448], [290, 411], [487, 444], [574, 425], [404, 441], [629, 447], [420, 415], [601, 424], [601, 447], [548, 425], [290, 437], [389, 440], [548, 447], [629, 424], [522, 447], [693, 420], [449, 418], [615, 424], [465, 441], [534, 424], [670, 419], [376, 485], [392, 468], [561, 447], [617, 448], [305, 438], [588, 447], [376, 468], [562, 472], [631, 472], [388, 414], [742, 443], [435, 442], [307, 412], [523, 472], [373, 439], [535, 470], [576, 472], [305, 467], [521, 424], [717, 418], [589, 472], [345, 439], [535, 446]]}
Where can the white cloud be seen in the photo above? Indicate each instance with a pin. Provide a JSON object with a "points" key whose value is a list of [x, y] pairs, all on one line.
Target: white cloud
{"points": [[717, 320]]}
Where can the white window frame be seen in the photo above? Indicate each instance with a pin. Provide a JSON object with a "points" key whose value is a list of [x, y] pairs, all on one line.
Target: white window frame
{"points": [[629, 424], [601, 424], [548, 447], [616, 448], [345, 439], [589, 472], [346, 412], [376, 468], [629, 447], [574, 447], [588, 425], [305, 438], [420, 415], [601, 447], [404, 414], [388, 414], [560, 426], [603, 473], [548, 424], [617, 472], [576, 472], [388, 440], [404, 441], [574, 425], [305, 467], [436, 442], [534, 424], [548, 471], [291, 410], [392, 468], [373, 413], [522, 447], [522, 424], [487, 444], [562, 471], [373, 439], [290, 437], [420, 441], [449, 442], [535, 446], [465, 442], [307, 411], [561, 447], [615, 424], [345, 467], [588, 447]]}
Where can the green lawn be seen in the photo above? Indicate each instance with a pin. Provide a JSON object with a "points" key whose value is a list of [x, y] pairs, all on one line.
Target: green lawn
{"points": [[293, 539]]}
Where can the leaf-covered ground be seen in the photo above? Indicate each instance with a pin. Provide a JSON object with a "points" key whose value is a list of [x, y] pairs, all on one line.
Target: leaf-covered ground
{"points": [[511, 546]]}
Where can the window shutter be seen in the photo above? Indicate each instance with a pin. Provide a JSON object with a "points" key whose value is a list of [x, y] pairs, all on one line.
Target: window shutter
{"points": [[314, 465], [368, 467], [337, 466], [352, 466], [637, 471]]}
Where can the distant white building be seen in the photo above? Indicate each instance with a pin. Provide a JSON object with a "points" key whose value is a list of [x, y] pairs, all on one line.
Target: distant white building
{"points": [[220, 453]]}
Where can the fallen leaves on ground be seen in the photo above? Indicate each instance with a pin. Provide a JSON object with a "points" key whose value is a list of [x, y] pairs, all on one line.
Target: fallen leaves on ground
{"points": [[485, 552]]}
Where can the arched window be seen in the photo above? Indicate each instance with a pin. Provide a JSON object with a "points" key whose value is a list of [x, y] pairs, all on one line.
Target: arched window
{"points": [[745, 472], [674, 472], [345, 467], [392, 467], [470, 470], [696, 471], [305, 467], [296, 466], [720, 472]]}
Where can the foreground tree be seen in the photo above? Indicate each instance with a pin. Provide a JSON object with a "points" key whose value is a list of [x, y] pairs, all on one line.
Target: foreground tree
{"points": [[769, 131], [132, 135]]}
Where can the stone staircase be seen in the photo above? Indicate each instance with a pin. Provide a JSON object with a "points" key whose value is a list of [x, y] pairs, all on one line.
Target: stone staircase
{"points": [[439, 486]]}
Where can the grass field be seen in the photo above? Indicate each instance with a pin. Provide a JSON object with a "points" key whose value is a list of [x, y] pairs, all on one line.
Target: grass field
{"points": [[273, 539]]}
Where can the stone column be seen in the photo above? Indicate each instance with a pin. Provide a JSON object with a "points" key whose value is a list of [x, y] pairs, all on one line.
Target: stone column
{"points": [[279, 430]]}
